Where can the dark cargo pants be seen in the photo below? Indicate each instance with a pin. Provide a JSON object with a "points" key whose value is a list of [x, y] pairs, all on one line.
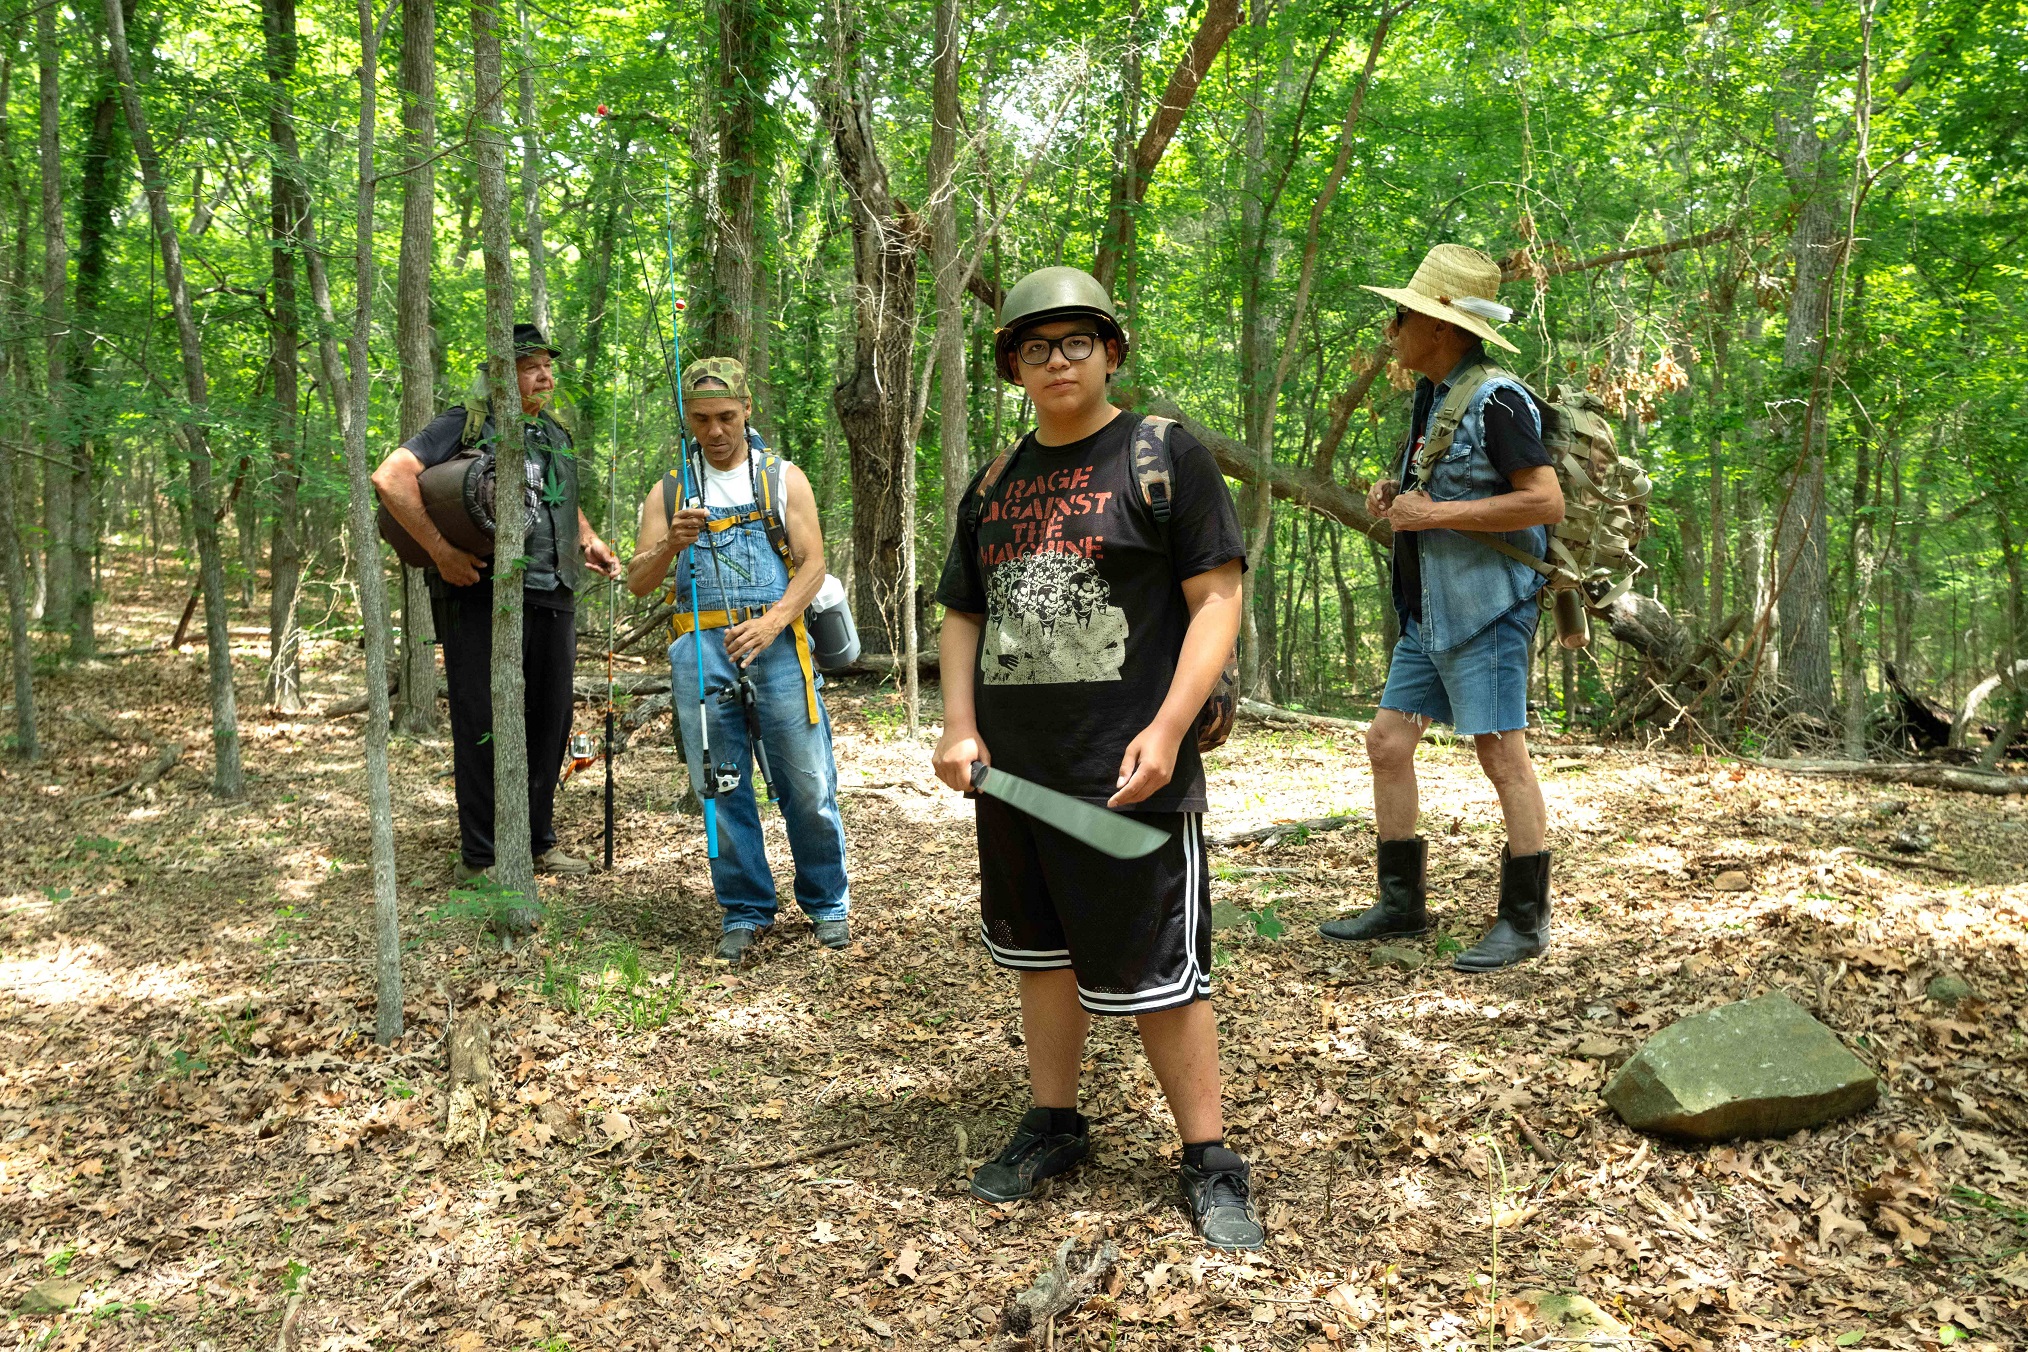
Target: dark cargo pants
{"points": [[464, 618]]}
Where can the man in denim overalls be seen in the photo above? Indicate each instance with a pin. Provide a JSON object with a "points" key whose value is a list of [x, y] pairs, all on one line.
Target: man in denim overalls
{"points": [[1473, 461], [758, 564]]}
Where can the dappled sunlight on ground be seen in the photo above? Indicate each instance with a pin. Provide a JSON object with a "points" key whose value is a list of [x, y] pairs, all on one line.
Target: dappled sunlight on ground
{"points": [[195, 1123]]}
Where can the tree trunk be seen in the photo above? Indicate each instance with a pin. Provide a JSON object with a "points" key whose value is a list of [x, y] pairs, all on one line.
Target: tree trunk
{"points": [[228, 780], [514, 862], [287, 200], [953, 387], [737, 105], [1348, 613], [417, 714], [26, 741], [372, 578], [531, 182], [1131, 186], [100, 192], [1809, 164], [591, 383], [57, 439], [1714, 562], [876, 397], [1270, 398]]}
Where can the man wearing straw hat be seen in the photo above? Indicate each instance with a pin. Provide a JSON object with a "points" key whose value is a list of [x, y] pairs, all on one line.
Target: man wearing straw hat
{"points": [[1473, 461]]}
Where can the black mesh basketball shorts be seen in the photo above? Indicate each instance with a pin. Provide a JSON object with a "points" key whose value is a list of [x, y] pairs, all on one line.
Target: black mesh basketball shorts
{"points": [[1137, 932]]}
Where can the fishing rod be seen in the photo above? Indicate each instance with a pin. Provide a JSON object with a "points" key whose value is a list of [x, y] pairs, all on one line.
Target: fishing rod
{"points": [[708, 790], [612, 611]]}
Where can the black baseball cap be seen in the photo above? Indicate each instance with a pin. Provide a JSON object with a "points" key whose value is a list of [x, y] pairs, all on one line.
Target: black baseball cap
{"points": [[529, 339]]}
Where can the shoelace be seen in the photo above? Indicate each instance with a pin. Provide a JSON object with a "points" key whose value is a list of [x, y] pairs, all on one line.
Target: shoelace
{"points": [[1228, 1187], [1020, 1148]]}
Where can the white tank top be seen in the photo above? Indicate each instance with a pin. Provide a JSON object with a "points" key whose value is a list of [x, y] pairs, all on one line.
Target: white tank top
{"points": [[727, 487]]}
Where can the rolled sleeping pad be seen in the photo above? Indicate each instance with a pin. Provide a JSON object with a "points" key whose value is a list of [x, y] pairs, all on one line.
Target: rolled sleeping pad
{"points": [[834, 638], [458, 495]]}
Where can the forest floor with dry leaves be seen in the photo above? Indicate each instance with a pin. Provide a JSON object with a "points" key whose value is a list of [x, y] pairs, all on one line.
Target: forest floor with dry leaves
{"points": [[199, 1136]]}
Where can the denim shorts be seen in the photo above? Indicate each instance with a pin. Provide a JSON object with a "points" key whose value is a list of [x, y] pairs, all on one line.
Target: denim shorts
{"points": [[1478, 687]]}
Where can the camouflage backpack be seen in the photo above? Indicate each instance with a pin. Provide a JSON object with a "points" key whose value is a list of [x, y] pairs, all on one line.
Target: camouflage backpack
{"points": [[1593, 550]]}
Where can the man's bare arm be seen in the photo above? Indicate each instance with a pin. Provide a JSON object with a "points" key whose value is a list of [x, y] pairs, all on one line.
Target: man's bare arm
{"points": [[1537, 500]]}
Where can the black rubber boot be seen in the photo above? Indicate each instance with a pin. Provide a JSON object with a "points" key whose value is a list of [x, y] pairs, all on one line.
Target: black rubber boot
{"points": [[1403, 908], [1522, 928]]}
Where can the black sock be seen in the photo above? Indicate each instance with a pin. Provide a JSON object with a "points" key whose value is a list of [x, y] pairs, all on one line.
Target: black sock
{"points": [[1065, 1122], [1193, 1151]]}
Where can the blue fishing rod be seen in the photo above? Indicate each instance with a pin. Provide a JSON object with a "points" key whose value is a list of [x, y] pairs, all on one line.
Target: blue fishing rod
{"points": [[708, 790]]}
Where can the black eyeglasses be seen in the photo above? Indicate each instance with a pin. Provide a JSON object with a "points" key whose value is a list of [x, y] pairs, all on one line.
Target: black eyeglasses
{"points": [[1400, 315], [1074, 347]]}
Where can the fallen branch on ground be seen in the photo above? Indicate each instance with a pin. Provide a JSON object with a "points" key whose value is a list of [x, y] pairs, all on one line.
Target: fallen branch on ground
{"points": [[1274, 713], [800, 1157], [1269, 835], [1058, 1288], [1922, 776], [166, 756]]}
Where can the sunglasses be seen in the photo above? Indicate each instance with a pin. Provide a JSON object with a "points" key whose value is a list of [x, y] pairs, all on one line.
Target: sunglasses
{"points": [[1075, 347]]}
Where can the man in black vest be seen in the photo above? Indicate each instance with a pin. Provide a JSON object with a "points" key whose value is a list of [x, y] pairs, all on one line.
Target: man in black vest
{"points": [[561, 544]]}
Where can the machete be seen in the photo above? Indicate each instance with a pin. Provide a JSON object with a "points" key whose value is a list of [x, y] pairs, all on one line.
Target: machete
{"points": [[1108, 832]]}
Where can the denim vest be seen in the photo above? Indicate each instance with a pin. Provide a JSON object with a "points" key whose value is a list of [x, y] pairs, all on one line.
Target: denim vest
{"points": [[736, 567], [1465, 585]]}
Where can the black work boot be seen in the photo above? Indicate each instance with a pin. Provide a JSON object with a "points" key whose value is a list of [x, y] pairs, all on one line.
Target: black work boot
{"points": [[1219, 1197], [1035, 1153], [1403, 908], [1522, 928]]}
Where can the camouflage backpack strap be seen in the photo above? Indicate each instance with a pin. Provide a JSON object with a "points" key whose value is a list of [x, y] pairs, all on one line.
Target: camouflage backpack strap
{"points": [[996, 470], [1443, 424], [1154, 474]]}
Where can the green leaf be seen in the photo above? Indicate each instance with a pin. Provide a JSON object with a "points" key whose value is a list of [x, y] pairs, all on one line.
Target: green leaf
{"points": [[1847, 1339]]}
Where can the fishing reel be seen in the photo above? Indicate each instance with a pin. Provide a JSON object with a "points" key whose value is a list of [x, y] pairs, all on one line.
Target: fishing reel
{"points": [[582, 747], [724, 778]]}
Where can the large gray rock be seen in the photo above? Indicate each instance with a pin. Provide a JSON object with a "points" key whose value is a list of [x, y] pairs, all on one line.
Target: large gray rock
{"points": [[1755, 1068]]}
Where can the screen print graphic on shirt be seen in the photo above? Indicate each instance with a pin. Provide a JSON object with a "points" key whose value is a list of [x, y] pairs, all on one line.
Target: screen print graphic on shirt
{"points": [[1050, 619]]}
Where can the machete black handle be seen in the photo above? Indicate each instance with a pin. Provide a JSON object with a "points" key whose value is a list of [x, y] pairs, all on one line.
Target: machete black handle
{"points": [[978, 775]]}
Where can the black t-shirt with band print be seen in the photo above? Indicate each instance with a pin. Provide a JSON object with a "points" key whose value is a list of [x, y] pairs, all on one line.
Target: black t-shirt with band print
{"points": [[1084, 616]]}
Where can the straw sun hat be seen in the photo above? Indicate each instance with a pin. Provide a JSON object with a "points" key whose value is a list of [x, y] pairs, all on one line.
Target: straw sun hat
{"points": [[1459, 286]]}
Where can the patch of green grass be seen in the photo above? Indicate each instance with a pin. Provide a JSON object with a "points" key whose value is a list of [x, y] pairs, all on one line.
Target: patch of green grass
{"points": [[606, 982], [1447, 944]]}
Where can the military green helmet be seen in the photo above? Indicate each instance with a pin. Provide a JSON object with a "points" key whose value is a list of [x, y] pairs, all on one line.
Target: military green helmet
{"points": [[1052, 293]]}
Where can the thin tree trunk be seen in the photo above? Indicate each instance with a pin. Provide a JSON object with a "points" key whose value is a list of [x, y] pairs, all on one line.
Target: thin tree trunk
{"points": [[417, 713], [1714, 611], [2010, 652], [287, 197], [26, 741], [1131, 185], [531, 181], [1348, 612], [1271, 396], [953, 387], [75, 521], [366, 559], [514, 862], [228, 779]]}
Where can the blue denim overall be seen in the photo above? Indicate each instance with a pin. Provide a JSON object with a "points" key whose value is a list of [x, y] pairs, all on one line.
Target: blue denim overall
{"points": [[750, 576]]}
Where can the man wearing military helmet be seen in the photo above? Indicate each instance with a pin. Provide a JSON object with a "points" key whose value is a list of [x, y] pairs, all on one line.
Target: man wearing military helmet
{"points": [[758, 562], [1091, 602]]}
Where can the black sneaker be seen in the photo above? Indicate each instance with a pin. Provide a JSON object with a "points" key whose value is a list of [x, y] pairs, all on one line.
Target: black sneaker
{"points": [[1219, 1198], [1033, 1155], [733, 945]]}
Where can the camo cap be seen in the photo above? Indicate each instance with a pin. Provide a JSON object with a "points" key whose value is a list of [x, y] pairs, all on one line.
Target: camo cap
{"points": [[726, 371]]}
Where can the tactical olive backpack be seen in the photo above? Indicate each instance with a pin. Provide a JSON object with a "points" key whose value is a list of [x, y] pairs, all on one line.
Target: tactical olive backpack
{"points": [[1592, 551], [1155, 476]]}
